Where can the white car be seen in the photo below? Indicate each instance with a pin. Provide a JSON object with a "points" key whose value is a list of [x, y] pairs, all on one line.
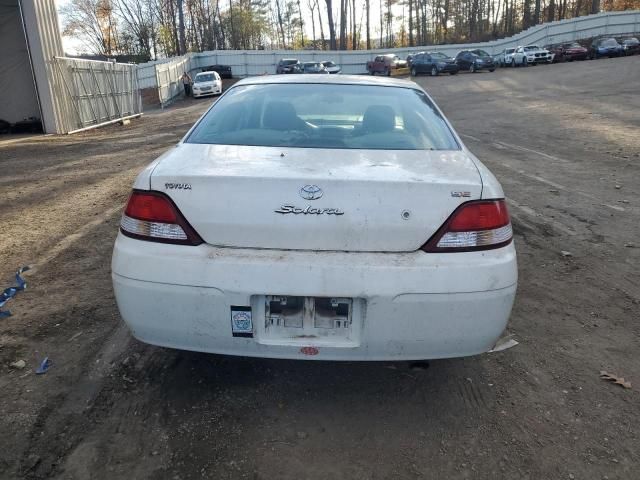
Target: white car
{"points": [[207, 83], [504, 58], [530, 55], [318, 217], [331, 67]]}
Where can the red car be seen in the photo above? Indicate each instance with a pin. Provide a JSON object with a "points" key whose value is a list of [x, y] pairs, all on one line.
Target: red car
{"points": [[568, 52]]}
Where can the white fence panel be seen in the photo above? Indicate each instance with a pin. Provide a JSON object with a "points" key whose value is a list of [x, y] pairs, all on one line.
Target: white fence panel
{"points": [[94, 93], [168, 78]]}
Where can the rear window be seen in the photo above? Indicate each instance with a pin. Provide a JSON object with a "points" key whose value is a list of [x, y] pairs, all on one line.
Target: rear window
{"points": [[325, 116], [610, 42]]}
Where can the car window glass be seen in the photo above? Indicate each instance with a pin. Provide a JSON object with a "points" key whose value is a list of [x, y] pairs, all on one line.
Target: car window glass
{"points": [[205, 77], [325, 116]]}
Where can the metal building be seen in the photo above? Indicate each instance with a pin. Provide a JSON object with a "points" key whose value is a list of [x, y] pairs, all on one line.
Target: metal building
{"points": [[38, 81]]}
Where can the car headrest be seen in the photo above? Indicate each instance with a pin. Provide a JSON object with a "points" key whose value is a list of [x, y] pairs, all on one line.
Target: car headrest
{"points": [[378, 119], [281, 116]]}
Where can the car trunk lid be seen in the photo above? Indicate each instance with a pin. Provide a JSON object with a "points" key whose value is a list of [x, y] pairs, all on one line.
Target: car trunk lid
{"points": [[355, 200]]}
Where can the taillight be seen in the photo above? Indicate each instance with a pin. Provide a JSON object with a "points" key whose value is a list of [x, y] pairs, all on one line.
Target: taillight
{"points": [[153, 216], [475, 225]]}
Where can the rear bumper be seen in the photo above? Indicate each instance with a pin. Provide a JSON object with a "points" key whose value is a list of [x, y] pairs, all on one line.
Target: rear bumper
{"points": [[416, 305]]}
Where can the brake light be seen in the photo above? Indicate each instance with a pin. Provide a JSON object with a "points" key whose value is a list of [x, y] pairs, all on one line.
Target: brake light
{"points": [[475, 225], [153, 216]]}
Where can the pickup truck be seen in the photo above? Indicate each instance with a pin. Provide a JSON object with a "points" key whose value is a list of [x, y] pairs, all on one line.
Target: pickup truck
{"points": [[385, 63]]}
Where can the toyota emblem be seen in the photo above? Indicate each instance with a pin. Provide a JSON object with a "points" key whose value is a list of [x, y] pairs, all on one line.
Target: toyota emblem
{"points": [[311, 192]]}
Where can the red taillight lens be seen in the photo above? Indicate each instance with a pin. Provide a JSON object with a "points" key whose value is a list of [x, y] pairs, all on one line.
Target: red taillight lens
{"points": [[476, 225], [151, 207], [153, 216]]}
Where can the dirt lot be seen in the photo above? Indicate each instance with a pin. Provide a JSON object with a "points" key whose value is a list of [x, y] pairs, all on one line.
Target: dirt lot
{"points": [[564, 140]]}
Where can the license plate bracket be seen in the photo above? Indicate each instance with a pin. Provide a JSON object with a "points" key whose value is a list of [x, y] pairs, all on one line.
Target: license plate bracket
{"points": [[297, 320]]}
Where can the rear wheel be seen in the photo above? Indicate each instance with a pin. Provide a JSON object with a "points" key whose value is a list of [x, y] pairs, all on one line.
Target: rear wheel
{"points": [[434, 71], [387, 72], [414, 72], [513, 63], [524, 62], [492, 69], [472, 68], [453, 72]]}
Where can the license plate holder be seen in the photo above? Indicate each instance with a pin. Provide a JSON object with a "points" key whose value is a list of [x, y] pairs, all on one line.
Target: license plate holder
{"points": [[318, 321]]}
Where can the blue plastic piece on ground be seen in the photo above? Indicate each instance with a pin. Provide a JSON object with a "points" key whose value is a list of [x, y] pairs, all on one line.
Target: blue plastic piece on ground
{"points": [[44, 366], [11, 292]]}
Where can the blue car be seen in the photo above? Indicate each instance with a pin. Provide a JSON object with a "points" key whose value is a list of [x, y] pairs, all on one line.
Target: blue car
{"points": [[605, 47]]}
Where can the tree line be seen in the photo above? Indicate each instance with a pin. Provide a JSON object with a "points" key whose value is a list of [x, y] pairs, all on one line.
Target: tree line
{"points": [[148, 29]]}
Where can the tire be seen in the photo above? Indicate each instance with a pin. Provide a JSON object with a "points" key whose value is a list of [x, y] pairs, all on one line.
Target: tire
{"points": [[371, 72], [434, 71], [452, 73], [492, 69], [524, 62], [414, 72], [472, 68], [513, 63], [387, 72]]}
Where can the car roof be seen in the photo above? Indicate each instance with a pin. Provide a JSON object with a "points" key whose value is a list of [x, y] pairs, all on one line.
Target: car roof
{"points": [[329, 79], [210, 72]]}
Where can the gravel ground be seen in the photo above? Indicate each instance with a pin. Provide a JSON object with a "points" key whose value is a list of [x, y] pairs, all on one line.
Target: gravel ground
{"points": [[563, 140]]}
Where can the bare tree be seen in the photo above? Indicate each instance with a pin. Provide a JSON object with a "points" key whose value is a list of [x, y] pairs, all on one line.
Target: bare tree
{"points": [[332, 26]]}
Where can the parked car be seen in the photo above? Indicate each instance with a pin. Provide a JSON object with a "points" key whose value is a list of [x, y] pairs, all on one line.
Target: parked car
{"points": [[503, 59], [331, 67], [313, 68], [605, 47], [410, 58], [385, 64], [326, 253], [288, 65], [433, 63], [474, 60], [207, 83], [530, 55], [630, 46], [568, 52], [223, 70]]}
